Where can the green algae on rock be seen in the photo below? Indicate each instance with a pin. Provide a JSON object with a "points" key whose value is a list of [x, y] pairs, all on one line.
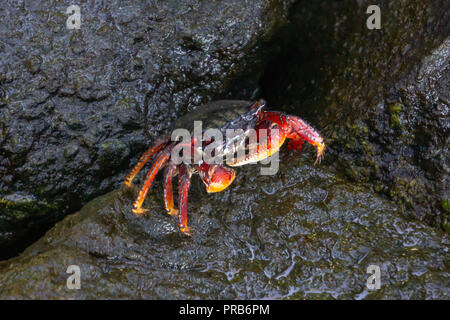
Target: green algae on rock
{"points": [[20, 216]]}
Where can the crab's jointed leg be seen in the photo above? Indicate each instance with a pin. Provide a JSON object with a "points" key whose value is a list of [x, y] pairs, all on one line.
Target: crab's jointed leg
{"points": [[143, 160], [169, 173], [183, 189], [301, 131], [160, 161], [298, 130]]}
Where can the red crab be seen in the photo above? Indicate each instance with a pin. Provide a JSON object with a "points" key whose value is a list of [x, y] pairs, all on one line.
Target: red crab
{"points": [[223, 115]]}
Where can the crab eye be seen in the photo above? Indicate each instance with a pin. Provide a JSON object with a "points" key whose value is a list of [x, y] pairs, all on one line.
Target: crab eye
{"points": [[258, 106], [262, 103]]}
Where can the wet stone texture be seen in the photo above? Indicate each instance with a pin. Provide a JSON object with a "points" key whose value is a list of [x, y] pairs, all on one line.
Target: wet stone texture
{"points": [[303, 233], [77, 107]]}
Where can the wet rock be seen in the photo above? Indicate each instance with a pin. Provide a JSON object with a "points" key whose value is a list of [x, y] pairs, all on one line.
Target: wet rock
{"points": [[15, 223], [303, 233], [71, 150], [112, 153], [78, 104], [379, 97]]}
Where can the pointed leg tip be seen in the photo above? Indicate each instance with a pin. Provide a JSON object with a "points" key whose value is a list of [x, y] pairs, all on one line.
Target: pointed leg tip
{"points": [[139, 211], [128, 184], [173, 212], [186, 231]]}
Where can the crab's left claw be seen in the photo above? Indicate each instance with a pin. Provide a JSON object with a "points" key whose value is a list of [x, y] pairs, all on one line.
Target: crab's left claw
{"points": [[320, 146]]}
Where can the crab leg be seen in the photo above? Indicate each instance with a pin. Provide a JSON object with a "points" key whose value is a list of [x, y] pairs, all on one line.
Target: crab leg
{"points": [[298, 130], [157, 165], [183, 189], [169, 173], [301, 131], [143, 160]]}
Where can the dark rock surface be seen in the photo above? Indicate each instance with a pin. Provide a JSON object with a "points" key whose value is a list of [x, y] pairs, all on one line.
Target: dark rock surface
{"points": [[77, 107], [303, 233], [380, 97]]}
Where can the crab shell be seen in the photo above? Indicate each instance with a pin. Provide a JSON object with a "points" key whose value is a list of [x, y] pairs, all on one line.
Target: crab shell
{"points": [[222, 114], [234, 118]]}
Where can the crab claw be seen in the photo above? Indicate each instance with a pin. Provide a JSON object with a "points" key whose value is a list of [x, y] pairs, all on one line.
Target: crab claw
{"points": [[216, 177]]}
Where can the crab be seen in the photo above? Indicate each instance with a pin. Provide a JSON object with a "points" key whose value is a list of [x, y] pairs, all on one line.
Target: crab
{"points": [[222, 115]]}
